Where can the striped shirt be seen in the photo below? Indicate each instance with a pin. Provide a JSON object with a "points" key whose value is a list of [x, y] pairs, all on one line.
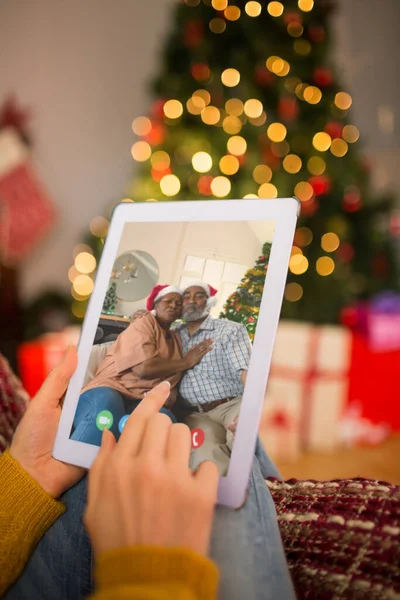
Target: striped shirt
{"points": [[218, 374]]}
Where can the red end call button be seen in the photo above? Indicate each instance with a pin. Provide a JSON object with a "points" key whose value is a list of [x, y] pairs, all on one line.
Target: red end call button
{"points": [[197, 438]]}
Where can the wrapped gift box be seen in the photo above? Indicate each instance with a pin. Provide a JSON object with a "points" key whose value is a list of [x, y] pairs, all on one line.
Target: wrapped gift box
{"points": [[37, 358], [309, 383]]}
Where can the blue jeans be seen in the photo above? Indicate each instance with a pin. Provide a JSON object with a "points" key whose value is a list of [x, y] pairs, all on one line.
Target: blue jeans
{"points": [[92, 402], [245, 543]]}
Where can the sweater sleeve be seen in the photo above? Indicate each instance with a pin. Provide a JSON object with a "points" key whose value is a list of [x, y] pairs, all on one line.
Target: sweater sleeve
{"points": [[155, 573], [26, 512]]}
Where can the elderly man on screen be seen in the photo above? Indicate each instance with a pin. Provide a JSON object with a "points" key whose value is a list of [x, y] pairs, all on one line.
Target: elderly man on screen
{"points": [[212, 389]]}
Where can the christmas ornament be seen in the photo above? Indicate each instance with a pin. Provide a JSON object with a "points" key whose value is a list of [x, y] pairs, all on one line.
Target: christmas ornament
{"points": [[321, 184], [251, 319], [156, 135]]}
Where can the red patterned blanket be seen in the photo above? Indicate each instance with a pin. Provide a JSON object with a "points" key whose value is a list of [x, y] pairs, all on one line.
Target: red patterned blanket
{"points": [[13, 402]]}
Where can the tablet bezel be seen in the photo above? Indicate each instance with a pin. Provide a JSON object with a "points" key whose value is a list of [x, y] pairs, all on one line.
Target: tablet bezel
{"points": [[284, 212]]}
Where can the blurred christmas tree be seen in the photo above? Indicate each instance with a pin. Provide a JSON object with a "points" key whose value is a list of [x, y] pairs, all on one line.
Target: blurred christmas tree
{"points": [[111, 298], [243, 305], [249, 105]]}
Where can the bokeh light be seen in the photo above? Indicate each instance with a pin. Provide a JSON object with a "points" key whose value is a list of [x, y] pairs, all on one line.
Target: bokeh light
{"points": [[350, 133], [230, 77], [295, 29], [267, 190], [275, 9], [210, 115], [293, 292], [219, 4], [305, 5], [202, 162], [236, 145], [173, 109], [253, 108], [160, 160], [193, 108], [339, 147], [232, 125], [343, 100], [253, 9], [262, 174], [229, 165], [304, 191], [234, 107], [201, 96], [259, 121], [81, 248], [298, 264], [83, 285], [292, 163], [312, 94], [99, 227], [276, 132], [73, 273], [232, 13], [85, 263], [220, 186], [280, 149], [302, 47], [141, 151], [330, 242], [316, 165], [141, 126], [325, 266], [250, 196], [170, 185], [322, 141], [217, 25], [303, 236]]}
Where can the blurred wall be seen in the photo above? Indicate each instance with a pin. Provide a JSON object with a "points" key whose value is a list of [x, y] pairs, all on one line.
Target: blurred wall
{"points": [[83, 68]]}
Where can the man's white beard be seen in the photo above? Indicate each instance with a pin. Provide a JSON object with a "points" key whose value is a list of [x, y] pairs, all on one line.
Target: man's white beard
{"points": [[196, 315]]}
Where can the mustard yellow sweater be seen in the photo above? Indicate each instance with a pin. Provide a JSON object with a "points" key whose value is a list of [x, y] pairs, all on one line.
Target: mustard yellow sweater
{"points": [[154, 573]]}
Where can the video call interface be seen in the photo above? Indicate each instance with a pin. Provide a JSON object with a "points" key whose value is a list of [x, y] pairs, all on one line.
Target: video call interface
{"points": [[186, 296]]}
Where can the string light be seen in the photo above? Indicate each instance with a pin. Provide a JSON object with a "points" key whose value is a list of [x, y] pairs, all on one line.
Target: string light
{"points": [[230, 77], [200, 96], [141, 126], [173, 109], [232, 125], [292, 163], [303, 191], [83, 285], [219, 4], [170, 185], [295, 29], [193, 109], [232, 13], [73, 273], [277, 65], [295, 250], [237, 145], [234, 107], [302, 47], [316, 165], [322, 141], [141, 151], [325, 266], [250, 196], [299, 91], [253, 9], [303, 236], [229, 165], [81, 248], [253, 108], [339, 147], [298, 264], [276, 132], [305, 5], [99, 227], [160, 161], [350, 133], [210, 115], [293, 292], [262, 174], [330, 242], [343, 100], [275, 9], [259, 120], [267, 190], [312, 94], [202, 162], [217, 25], [220, 186]]}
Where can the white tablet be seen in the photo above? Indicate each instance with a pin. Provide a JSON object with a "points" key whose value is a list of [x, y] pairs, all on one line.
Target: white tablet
{"points": [[227, 264]]}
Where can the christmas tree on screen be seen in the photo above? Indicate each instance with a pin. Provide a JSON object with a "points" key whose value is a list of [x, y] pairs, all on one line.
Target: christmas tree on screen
{"points": [[248, 104], [243, 305]]}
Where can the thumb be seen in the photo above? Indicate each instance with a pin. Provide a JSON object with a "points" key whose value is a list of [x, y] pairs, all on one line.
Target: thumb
{"points": [[57, 382]]}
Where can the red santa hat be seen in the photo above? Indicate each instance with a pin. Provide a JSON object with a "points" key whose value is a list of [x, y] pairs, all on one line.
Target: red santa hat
{"points": [[210, 291], [158, 292]]}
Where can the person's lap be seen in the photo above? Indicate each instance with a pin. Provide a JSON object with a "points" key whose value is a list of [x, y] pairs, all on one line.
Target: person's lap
{"points": [[245, 543]]}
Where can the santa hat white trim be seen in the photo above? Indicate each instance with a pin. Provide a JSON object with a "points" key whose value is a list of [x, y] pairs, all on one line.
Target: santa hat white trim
{"points": [[211, 300], [171, 289]]}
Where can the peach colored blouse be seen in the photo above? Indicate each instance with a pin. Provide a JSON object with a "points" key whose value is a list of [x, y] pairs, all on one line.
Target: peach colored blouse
{"points": [[142, 340]]}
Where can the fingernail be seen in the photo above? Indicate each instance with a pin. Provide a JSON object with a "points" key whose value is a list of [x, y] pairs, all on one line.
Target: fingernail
{"points": [[163, 383]]}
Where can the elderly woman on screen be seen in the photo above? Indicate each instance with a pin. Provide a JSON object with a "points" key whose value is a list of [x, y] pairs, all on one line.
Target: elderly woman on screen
{"points": [[145, 354]]}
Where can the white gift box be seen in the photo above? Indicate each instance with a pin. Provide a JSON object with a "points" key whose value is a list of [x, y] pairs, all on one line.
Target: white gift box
{"points": [[308, 381]]}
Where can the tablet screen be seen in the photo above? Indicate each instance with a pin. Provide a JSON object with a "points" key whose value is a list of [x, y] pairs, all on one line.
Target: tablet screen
{"points": [[182, 304]]}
